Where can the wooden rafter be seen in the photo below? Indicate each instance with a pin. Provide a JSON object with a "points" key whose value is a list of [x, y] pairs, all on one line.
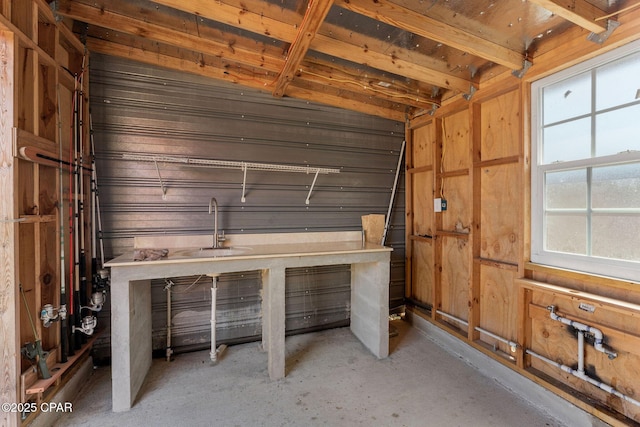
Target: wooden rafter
{"points": [[164, 34], [249, 18], [221, 70], [237, 63], [417, 23], [316, 12], [344, 78], [580, 12]]}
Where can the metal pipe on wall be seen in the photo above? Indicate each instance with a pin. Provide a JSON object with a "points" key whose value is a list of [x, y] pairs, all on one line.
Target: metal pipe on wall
{"points": [[393, 194]]}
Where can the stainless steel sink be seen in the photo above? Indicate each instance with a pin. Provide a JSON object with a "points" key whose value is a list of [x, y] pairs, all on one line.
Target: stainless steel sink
{"points": [[210, 252]]}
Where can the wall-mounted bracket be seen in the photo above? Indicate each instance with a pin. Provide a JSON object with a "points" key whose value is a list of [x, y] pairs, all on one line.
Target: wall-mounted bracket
{"points": [[603, 36], [526, 64], [228, 164], [244, 182], [468, 96], [311, 189], [162, 186]]}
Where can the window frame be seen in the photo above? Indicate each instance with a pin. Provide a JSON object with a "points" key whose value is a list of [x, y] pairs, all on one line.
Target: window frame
{"points": [[627, 270]]}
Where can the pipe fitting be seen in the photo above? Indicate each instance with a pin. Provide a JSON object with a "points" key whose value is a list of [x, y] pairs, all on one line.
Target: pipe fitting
{"points": [[582, 328]]}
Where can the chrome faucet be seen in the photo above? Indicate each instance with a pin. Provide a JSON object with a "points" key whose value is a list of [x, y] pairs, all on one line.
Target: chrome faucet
{"points": [[216, 238]]}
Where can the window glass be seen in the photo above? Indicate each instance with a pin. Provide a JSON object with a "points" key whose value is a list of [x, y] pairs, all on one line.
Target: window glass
{"points": [[618, 131], [585, 175], [616, 236], [566, 99], [616, 187], [566, 189], [611, 89], [567, 141], [566, 233]]}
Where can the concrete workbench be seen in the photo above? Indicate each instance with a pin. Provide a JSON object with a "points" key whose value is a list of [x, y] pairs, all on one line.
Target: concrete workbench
{"points": [[272, 254]]}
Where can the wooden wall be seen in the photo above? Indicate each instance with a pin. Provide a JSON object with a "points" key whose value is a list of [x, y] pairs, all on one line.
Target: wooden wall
{"points": [[38, 60], [468, 268]]}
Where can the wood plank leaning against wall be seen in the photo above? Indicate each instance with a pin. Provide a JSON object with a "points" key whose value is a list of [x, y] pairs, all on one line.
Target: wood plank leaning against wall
{"points": [[468, 268]]}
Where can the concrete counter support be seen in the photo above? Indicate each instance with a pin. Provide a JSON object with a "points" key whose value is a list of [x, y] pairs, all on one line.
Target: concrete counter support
{"points": [[131, 344], [130, 337], [273, 322]]}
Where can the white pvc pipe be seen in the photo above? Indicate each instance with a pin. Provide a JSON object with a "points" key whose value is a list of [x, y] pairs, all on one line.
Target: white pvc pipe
{"points": [[215, 351], [581, 352], [512, 344], [214, 291], [597, 333], [452, 317], [168, 350], [585, 377]]}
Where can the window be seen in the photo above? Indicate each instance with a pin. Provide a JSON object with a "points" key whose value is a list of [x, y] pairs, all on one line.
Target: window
{"points": [[586, 166]]}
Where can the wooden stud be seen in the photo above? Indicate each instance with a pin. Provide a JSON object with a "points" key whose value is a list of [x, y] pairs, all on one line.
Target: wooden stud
{"points": [[9, 313], [476, 185], [409, 215]]}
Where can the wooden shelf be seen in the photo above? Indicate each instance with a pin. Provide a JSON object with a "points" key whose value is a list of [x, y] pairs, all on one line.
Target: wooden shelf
{"points": [[57, 370]]}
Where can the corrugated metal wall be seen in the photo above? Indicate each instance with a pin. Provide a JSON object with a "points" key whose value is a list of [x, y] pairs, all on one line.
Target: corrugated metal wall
{"points": [[141, 109]]}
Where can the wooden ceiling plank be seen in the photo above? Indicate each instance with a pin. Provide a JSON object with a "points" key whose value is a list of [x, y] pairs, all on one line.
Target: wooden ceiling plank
{"points": [[422, 25], [321, 94], [125, 24], [389, 62], [314, 17], [344, 80], [580, 12], [239, 17], [243, 77], [245, 19]]}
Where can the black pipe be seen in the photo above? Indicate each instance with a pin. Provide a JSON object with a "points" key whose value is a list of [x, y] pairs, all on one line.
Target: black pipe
{"points": [[423, 305]]}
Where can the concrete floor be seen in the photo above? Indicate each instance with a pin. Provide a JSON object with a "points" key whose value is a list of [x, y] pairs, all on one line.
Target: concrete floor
{"points": [[332, 380]]}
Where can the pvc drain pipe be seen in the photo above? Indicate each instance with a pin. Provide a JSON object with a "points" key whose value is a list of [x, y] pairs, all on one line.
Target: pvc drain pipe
{"points": [[215, 352], [597, 333], [585, 377], [512, 344]]}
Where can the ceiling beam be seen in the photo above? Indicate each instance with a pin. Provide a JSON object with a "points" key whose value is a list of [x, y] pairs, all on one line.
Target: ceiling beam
{"points": [[249, 18], [322, 94], [580, 12], [246, 76], [314, 17], [216, 68], [111, 26], [378, 85], [433, 29], [125, 24]]}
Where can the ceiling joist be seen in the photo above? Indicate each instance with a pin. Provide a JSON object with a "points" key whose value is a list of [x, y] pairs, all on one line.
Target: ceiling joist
{"points": [[245, 76], [422, 25], [223, 49], [384, 57], [316, 12], [580, 12], [250, 18]]}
